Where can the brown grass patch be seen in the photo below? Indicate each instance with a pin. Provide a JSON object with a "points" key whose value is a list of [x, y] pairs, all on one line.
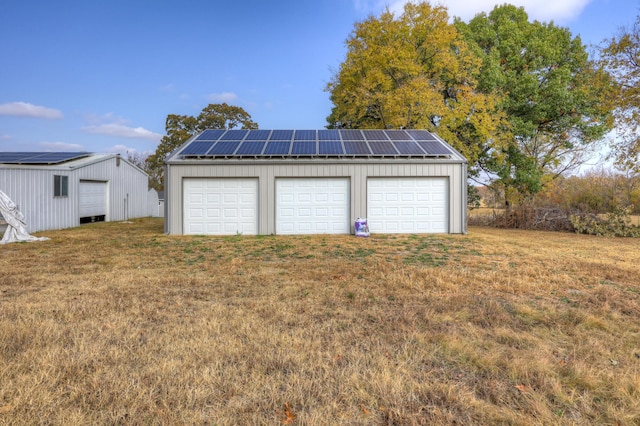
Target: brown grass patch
{"points": [[118, 323]]}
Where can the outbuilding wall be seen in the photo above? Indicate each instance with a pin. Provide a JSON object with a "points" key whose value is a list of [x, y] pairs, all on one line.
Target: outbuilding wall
{"points": [[155, 206], [357, 171], [31, 189]]}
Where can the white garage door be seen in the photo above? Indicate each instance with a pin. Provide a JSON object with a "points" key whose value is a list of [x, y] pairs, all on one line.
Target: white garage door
{"points": [[312, 206], [407, 205], [215, 206], [93, 198]]}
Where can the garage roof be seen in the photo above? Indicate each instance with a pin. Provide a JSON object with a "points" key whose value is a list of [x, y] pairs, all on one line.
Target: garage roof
{"points": [[345, 143]]}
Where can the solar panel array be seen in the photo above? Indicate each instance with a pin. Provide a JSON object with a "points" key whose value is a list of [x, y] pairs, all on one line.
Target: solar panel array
{"points": [[315, 143], [40, 157]]}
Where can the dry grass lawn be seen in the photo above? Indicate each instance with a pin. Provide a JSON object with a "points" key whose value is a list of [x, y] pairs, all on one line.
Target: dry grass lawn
{"points": [[117, 323]]}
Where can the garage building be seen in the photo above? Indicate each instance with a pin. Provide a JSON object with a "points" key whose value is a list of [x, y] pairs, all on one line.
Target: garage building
{"points": [[56, 190], [225, 182]]}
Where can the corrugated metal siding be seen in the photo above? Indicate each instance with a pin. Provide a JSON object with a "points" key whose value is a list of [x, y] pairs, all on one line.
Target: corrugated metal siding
{"points": [[127, 188], [32, 191], [356, 172], [31, 188], [155, 207]]}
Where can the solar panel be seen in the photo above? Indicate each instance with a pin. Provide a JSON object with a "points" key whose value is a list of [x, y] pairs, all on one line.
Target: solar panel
{"points": [[197, 148], [9, 157], [250, 148], [375, 135], [329, 135], [305, 135], [357, 148], [421, 135], [281, 135], [408, 148], [53, 157], [224, 148], [303, 148], [305, 143], [398, 135], [258, 135], [352, 135], [434, 147], [40, 157], [277, 148], [330, 148], [57, 157], [234, 135], [383, 148], [210, 135]]}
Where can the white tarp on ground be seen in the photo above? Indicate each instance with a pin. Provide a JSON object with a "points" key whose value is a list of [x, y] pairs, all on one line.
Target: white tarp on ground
{"points": [[16, 226]]}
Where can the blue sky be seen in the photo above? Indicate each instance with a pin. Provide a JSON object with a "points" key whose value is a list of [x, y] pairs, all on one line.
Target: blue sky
{"points": [[103, 76]]}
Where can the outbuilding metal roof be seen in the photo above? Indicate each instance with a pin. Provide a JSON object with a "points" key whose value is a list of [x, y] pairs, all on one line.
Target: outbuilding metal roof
{"points": [[54, 160], [345, 143], [40, 157]]}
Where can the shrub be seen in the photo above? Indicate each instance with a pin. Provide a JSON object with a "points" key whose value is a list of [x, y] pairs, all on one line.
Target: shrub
{"points": [[547, 218], [617, 223]]}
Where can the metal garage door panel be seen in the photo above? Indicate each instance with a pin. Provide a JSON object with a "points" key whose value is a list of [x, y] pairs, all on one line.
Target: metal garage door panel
{"points": [[312, 206], [93, 198], [407, 205], [215, 206]]}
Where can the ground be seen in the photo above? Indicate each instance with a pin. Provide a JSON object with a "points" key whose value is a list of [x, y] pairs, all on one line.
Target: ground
{"points": [[119, 323]]}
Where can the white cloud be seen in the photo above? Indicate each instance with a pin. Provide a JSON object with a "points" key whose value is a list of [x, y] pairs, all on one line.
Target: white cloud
{"points": [[60, 146], [120, 149], [125, 150], [25, 109], [168, 88], [223, 97], [110, 117], [110, 124], [5, 137], [542, 10], [122, 130]]}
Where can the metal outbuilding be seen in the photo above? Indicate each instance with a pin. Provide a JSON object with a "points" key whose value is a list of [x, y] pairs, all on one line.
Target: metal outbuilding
{"points": [[61, 190], [315, 181]]}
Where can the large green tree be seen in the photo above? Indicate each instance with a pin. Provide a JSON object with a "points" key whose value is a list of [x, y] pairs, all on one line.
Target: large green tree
{"points": [[414, 71], [181, 127], [553, 95], [621, 57]]}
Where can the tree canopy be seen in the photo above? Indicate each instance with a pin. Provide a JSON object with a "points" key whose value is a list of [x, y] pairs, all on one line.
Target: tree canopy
{"points": [[553, 95], [180, 128], [621, 57], [521, 100], [415, 71]]}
